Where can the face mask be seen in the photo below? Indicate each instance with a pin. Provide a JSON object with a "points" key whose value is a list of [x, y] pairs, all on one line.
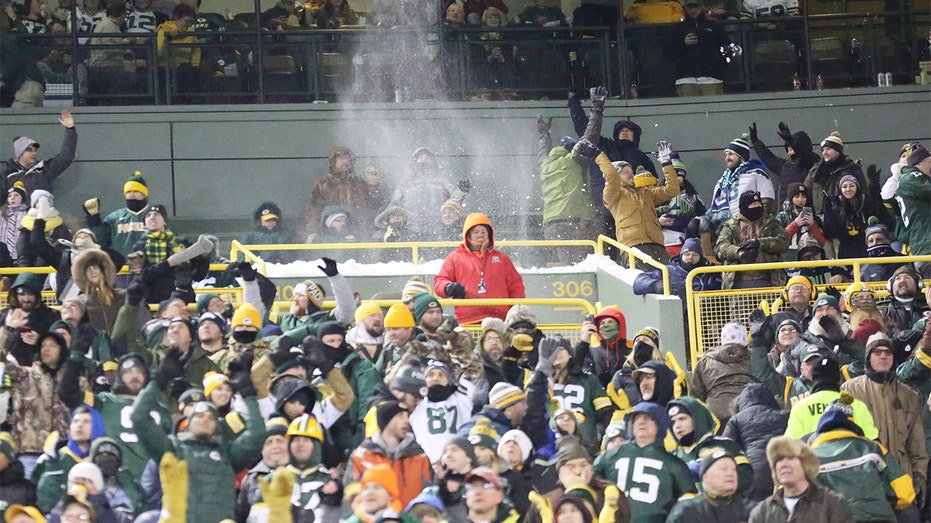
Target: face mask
{"points": [[136, 205], [878, 251], [753, 214], [609, 332], [643, 352], [245, 337], [440, 392], [109, 464]]}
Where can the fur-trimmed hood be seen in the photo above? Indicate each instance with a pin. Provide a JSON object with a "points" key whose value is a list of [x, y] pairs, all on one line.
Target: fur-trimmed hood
{"points": [[92, 257]]}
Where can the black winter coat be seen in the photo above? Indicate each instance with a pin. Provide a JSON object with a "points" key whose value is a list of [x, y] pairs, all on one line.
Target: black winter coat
{"points": [[758, 419]]}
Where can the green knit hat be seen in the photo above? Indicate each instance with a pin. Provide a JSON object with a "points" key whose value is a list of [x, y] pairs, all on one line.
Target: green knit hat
{"points": [[483, 434], [423, 303]]}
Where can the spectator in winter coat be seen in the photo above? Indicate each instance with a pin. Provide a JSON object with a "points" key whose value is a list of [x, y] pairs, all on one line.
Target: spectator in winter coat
{"points": [[847, 216], [11, 217], [675, 216], [801, 223], [752, 236], [36, 174], [826, 378], [694, 45], [622, 146], [722, 372], [906, 303], [694, 427], [797, 297], [270, 230], [632, 200], [690, 257], [41, 228], [786, 172], [567, 205], [757, 419], [423, 191], [274, 454], [896, 409], [608, 355], [478, 270], [342, 188], [15, 490], [915, 193], [795, 468], [878, 245], [875, 489], [27, 317], [718, 498], [824, 177], [742, 175], [122, 228]]}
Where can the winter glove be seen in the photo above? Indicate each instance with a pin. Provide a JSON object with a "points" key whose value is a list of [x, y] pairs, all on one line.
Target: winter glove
{"points": [[247, 271], [205, 244], [750, 244], [172, 367], [664, 152], [549, 349], [587, 149], [318, 354], [612, 496], [762, 333], [135, 261], [82, 341], [92, 206], [747, 255], [184, 276], [573, 96], [522, 342], [754, 137], [693, 229], [391, 235], [135, 292], [598, 98], [657, 287], [43, 208], [277, 494], [455, 290], [544, 124], [872, 177], [832, 292], [240, 372], [832, 331], [328, 267], [465, 185], [282, 352], [174, 476], [785, 133]]}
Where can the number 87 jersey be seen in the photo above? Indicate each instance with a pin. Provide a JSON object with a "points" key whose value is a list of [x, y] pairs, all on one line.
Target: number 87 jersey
{"points": [[651, 478]]}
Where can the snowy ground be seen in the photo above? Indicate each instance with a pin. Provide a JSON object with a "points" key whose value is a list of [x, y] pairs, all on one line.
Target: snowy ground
{"points": [[309, 269]]}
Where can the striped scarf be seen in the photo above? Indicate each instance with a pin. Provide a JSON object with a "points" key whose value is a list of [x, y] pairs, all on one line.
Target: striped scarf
{"points": [[9, 226], [159, 245]]}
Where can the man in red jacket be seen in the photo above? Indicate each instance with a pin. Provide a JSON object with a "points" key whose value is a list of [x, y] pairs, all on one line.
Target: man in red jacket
{"points": [[477, 270]]}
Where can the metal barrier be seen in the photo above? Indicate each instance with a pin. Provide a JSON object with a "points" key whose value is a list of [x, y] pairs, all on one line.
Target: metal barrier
{"points": [[708, 311], [367, 63], [633, 255], [237, 248]]}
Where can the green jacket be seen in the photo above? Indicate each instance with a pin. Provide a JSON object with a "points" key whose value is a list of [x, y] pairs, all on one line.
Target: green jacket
{"points": [[212, 465], [916, 373], [120, 230], [862, 471], [563, 177], [704, 507], [914, 197], [774, 240]]}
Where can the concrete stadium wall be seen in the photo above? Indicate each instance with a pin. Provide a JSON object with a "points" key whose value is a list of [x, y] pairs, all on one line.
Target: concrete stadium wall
{"points": [[211, 164]]}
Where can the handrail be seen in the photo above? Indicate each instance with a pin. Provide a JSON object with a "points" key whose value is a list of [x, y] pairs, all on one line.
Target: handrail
{"points": [[249, 256], [855, 263], [448, 302], [237, 247], [636, 254], [122, 270]]}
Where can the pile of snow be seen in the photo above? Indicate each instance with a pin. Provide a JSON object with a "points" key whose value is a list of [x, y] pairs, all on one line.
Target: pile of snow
{"points": [[310, 269]]}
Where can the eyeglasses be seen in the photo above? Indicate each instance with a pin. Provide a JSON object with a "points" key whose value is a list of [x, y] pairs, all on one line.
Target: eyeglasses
{"points": [[492, 338], [863, 297], [74, 518], [484, 486], [882, 352], [786, 330]]}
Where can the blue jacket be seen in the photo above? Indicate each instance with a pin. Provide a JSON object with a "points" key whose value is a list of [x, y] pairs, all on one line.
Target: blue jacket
{"points": [[643, 283]]}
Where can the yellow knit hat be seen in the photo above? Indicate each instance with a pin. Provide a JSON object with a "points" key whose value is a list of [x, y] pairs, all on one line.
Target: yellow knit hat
{"points": [[246, 315], [366, 309], [212, 380], [399, 317]]}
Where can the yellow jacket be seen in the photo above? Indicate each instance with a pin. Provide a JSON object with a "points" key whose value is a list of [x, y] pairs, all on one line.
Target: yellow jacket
{"points": [[182, 52], [632, 208]]}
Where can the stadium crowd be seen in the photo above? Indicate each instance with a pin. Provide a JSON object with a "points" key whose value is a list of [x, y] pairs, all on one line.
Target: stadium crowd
{"points": [[205, 413]]}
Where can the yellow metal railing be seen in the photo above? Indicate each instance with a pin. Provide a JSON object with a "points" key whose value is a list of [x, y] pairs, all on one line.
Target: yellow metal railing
{"points": [[247, 250], [633, 255], [708, 311]]}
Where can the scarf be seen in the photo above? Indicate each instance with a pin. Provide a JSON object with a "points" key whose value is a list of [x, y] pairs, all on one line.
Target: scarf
{"points": [[159, 245], [9, 232]]}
